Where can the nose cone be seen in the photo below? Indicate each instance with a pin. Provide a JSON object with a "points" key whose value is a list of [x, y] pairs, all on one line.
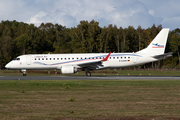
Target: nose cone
{"points": [[7, 66]]}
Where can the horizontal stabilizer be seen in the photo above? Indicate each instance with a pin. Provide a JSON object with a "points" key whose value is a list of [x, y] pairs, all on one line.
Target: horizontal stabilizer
{"points": [[163, 56]]}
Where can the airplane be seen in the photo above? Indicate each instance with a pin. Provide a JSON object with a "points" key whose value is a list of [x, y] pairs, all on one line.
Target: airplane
{"points": [[70, 63]]}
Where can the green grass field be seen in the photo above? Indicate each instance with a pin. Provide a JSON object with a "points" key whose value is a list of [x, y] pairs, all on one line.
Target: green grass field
{"points": [[90, 99]]}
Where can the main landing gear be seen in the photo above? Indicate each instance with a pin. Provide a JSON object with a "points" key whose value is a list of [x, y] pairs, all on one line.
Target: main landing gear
{"points": [[24, 72], [88, 73]]}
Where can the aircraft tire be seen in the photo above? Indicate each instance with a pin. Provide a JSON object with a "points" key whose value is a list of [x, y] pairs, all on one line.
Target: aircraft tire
{"points": [[88, 74]]}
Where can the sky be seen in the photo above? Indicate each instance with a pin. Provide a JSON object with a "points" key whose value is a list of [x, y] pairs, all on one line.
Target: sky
{"points": [[69, 13]]}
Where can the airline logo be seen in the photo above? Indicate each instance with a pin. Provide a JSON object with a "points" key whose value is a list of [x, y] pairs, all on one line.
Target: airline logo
{"points": [[157, 46]]}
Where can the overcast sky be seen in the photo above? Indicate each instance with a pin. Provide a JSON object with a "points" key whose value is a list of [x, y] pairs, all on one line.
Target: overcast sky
{"points": [[69, 13]]}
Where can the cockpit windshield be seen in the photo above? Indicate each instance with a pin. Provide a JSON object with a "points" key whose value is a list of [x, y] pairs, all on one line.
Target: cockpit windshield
{"points": [[17, 59]]}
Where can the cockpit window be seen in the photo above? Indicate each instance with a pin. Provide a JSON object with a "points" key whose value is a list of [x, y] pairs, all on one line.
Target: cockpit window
{"points": [[17, 59]]}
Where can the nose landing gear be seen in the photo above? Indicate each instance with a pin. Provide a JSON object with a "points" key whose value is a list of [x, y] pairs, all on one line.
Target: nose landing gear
{"points": [[24, 72]]}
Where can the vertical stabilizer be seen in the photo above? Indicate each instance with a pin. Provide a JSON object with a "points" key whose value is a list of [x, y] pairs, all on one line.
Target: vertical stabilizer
{"points": [[158, 45]]}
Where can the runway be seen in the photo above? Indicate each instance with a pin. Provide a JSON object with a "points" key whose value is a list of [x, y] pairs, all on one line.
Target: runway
{"points": [[90, 78]]}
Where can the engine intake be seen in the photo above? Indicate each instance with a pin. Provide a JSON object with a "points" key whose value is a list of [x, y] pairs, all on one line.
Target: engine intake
{"points": [[68, 69]]}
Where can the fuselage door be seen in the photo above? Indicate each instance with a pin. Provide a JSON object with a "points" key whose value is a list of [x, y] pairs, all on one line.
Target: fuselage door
{"points": [[28, 59], [134, 59]]}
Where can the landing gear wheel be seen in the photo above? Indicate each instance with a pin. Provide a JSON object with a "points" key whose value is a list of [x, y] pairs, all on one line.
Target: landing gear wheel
{"points": [[88, 74], [24, 72]]}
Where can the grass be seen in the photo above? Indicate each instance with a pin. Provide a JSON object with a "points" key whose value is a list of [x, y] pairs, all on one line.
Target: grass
{"points": [[99, 72], [90, 99]]}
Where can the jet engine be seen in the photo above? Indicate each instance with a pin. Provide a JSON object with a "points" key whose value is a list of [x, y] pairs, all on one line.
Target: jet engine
{"points": [[68, 69]]}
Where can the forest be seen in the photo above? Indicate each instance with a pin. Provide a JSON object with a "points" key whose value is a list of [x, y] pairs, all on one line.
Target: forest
{"points": [[17, 38]]}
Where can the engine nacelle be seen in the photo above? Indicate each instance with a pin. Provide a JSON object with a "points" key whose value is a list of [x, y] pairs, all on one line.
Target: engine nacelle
{"points": [[68, 69]]}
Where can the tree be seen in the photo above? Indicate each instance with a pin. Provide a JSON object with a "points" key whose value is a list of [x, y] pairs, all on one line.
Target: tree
{"points": [[102, 40], [139, 33], [22, 42], [84, 37], [175, 42], [61, 44], [125, 42], [7, 43], [93, 31], [76, 41], [7, 46], [131, 39]]}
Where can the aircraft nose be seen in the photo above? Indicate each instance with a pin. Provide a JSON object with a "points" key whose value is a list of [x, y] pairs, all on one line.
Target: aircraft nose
{"points": [[7, 65]]}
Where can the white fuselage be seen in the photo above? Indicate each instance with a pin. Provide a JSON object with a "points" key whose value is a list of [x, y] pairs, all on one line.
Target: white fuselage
{"points": [[56, 61]]}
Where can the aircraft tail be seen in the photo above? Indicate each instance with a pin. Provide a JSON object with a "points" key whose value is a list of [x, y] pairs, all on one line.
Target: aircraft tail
{"points": [[158, 45]]}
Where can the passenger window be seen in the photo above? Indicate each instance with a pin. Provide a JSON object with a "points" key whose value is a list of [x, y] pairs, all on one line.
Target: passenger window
{"points": [[113, 57], [35, 59], [124, 57], [129, 57], [69, 58], [117, 57], [49, 58], [110, 57], [57, 58], [39, 58], [61, 58], [42, 58], [72, 58], [64, 58], [46, 58]]}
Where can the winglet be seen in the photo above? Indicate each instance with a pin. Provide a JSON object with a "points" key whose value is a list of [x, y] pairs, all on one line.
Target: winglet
{"points": [[105, 59]]}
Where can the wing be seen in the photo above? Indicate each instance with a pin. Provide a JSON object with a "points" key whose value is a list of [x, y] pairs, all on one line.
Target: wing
{"points": [[94, 63]]}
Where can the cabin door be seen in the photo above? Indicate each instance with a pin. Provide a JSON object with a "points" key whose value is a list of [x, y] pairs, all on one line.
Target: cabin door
{"points": [[134, 59]]}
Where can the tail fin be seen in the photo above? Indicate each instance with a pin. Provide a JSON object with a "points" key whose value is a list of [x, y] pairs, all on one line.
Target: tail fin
{"points": [[158, 45]]}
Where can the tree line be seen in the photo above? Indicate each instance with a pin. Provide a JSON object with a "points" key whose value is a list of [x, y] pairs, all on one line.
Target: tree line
{"points": [[17, 38]]}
